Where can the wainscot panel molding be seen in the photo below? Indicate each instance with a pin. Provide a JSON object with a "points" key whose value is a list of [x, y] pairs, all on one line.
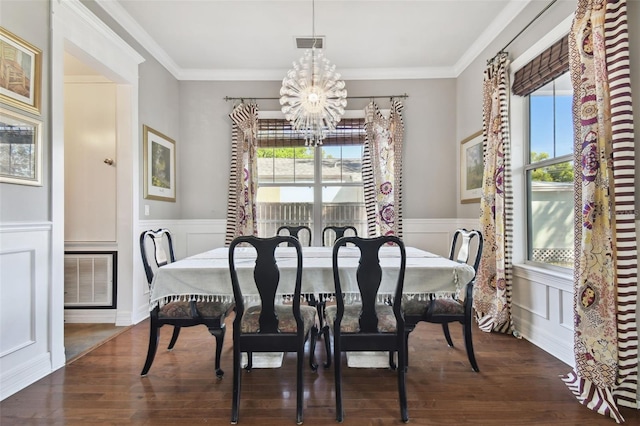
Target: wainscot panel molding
{"points": [[434, 235], [25, 305], [543, 309]]}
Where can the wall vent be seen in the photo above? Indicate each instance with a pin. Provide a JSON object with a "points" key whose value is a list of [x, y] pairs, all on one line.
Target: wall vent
{"points": [[307, 42], [89, 279]]}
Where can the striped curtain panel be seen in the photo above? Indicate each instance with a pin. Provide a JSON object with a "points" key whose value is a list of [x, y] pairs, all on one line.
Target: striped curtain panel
{"points": [[243, 174], [382, 170], [492, 297], [605, 273]]}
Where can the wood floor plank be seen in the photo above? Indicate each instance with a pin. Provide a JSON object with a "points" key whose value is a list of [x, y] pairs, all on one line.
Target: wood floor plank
{"points": [[518, 384]]}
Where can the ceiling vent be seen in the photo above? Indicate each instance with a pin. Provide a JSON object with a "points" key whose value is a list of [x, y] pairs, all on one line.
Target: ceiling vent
{"points": [[307, 42]]}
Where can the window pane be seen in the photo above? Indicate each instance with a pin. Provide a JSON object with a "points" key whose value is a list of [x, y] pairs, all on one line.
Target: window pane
{"points": [[285, 165], [342, 163], [551, 214], [344, 205], [282, 205], [551, 124], [541, 133], [564, 115]]}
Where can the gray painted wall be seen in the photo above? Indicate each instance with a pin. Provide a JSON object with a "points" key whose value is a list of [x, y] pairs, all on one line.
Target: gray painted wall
{"points": [[158, 101], [22, 203], [430, 141]]}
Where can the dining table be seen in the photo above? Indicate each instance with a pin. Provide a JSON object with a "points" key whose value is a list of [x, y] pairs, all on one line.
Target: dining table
{"points": [[205, 277]]}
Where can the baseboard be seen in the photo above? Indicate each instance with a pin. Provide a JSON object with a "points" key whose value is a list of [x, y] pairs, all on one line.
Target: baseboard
{"points": [[86, 316], [24, 375]]}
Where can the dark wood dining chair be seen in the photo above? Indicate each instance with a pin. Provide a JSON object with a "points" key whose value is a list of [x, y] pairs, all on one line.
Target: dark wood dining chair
{"points": [[301, 232], [370, 324], [268, 326], [156, 248], [331, 233], [453, 309]]}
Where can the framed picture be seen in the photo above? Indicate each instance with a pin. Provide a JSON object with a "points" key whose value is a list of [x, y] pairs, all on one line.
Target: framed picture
{"points": [[20, 72], [20, 149], [159, 166], [471, 168]]}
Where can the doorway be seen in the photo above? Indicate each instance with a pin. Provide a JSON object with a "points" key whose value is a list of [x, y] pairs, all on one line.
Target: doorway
{"points": [[90, 192], [77, 32]]}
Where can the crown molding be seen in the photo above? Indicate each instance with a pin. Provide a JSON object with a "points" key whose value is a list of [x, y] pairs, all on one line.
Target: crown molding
{"points": [[495, 27], [504, 18]]}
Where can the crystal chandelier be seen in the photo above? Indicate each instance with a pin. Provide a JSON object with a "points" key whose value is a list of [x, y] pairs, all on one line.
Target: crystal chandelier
{"points": [[312, 95]]}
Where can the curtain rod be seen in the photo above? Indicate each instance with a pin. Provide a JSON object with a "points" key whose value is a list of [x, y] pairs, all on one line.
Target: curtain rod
{"points": [[234, 98], [522, 30]]}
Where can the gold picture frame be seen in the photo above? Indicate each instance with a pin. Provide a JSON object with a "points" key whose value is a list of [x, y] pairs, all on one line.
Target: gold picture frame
{"points": [[20, 149], [471, 168], [20, 73], [159, 165]]}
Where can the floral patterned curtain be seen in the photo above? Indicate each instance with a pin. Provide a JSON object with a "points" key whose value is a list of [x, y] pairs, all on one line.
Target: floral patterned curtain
{"points": [[382, 170], [605, 272], [492, 297], [243, 175]]}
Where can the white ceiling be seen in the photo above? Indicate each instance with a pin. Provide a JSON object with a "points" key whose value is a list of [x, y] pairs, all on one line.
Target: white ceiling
{"points": [[365, 39]]}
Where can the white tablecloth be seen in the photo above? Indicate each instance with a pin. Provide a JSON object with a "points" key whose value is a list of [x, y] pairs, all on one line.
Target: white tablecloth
{"points": [[205, 276]]}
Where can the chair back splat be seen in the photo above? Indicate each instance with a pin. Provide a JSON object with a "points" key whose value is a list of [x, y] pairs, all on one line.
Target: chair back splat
{"points": [[268, 324], [374, 321], [156, 248], [337, 232], [454, 309], [301, 232]]}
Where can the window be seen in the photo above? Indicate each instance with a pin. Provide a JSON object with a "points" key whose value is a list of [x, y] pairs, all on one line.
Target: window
{"points": [[300, 185], [549, 174]]}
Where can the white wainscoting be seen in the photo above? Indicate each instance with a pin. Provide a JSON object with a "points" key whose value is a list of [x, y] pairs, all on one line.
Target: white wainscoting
{"points": [[542, 310], [542, 300], [25, 313]]}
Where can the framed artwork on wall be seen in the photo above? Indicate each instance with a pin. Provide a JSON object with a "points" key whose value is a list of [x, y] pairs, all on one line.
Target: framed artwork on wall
{"points": [[159, 165], [471, 168], [20, 73], [20, 149]]}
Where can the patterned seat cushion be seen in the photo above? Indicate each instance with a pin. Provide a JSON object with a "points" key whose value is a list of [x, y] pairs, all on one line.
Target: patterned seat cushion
{"points": [[430, 308], [182, 310], [351, 318], [445, 307], [413, 306], [286, 321]]}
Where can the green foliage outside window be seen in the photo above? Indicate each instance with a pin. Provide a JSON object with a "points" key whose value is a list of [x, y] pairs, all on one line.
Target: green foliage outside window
{"points": [[301, 152], [561, 172]]}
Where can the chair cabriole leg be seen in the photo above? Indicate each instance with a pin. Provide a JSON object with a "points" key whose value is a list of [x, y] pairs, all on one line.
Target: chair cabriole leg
{"points": [[218, 333], [174, 337], [154, 336], [447, 335]]}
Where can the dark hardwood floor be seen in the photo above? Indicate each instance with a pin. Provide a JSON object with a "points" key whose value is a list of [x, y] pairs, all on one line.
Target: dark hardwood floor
{"points": [[518, 384]]}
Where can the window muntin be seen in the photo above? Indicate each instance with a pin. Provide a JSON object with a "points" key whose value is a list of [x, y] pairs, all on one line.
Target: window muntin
{"points": [[549, 174], [299, 185]]}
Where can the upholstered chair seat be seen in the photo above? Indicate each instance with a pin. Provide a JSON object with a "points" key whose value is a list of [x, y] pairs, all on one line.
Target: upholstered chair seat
{"points": [[286, 321], [351, 320], [183, 310]]}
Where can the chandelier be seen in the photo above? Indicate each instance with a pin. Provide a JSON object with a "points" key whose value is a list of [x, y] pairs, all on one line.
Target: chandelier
{"points": [[312, 95]]}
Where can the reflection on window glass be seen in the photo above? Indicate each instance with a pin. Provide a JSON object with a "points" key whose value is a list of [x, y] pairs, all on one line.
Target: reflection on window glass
{"points": [[344, 205], [551, 214], [342, 163], [282, 205]]}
